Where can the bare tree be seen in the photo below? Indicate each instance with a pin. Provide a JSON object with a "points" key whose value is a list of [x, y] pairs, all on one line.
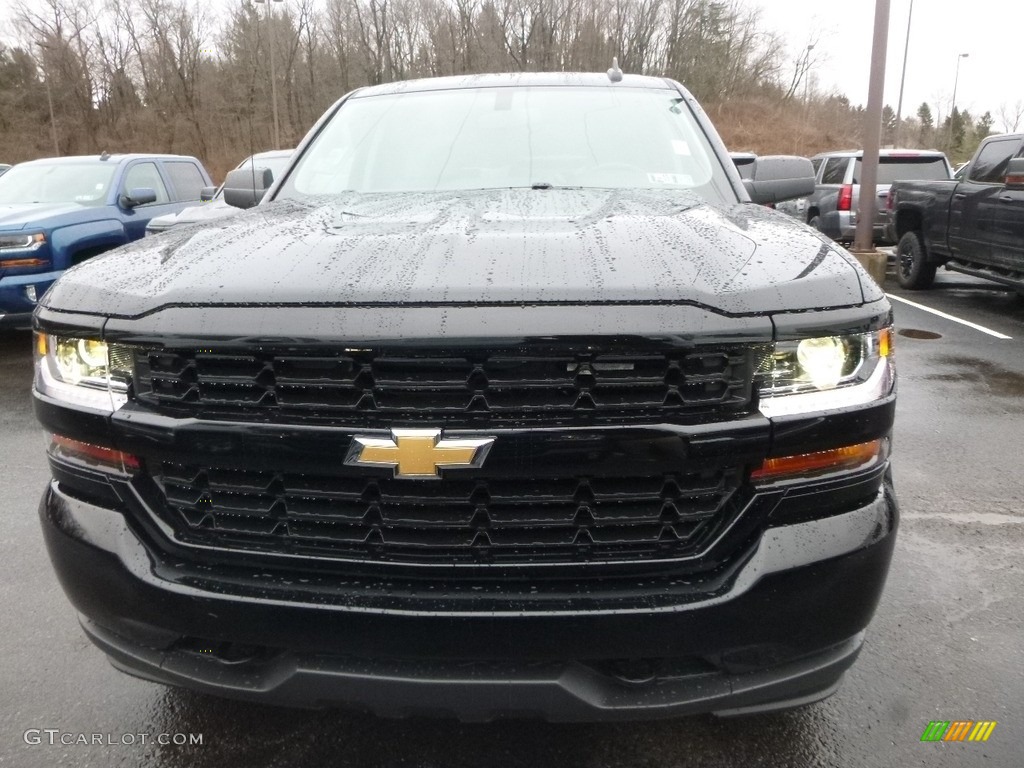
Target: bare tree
{"points": [[805, 61], [1010, 115], [62, 30], [166, 75]]}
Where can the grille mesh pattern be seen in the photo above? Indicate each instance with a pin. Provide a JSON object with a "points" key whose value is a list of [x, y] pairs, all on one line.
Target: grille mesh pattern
{"points": [[496, 521], [444, 386]]}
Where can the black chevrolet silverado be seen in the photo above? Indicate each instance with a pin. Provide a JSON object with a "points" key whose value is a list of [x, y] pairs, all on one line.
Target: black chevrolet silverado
{"points": [[972, 224], [507, 399]]}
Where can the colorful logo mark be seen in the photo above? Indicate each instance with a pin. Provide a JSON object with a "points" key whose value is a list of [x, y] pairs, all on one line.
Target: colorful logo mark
{"points": [[958, 730]]}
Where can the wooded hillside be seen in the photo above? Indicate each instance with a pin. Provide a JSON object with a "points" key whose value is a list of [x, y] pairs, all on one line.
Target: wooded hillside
{"points": [[171, 76]]}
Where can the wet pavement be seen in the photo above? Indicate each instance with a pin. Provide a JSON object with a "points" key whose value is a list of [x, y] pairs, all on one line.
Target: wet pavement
{"points": [[946, 643]]}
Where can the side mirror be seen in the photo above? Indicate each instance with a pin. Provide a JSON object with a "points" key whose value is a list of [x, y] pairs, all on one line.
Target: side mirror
{"points": [[206, 194], [138, 196], [744, 162], [779, 177], [1015, 173], [244, 187]]}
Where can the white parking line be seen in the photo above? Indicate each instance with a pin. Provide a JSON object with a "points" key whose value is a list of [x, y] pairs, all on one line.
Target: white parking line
{"points": [[968, 323]]}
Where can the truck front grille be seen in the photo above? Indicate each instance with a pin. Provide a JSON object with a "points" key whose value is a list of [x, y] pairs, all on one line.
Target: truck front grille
{"points": [[446, 387], [474, 521]]}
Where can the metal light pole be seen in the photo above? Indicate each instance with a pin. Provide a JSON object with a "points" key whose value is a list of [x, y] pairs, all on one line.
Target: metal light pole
{"points": [[872, 133], [903, 75], [273, 73], [952, 108], [49, 99]]}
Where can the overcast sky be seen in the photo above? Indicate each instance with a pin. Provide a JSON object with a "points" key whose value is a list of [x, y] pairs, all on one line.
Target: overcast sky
{"points": [[987, 30]]}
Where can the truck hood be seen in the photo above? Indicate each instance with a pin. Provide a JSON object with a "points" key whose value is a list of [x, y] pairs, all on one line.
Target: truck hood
{"points": [[29, 215], [486, 248]]}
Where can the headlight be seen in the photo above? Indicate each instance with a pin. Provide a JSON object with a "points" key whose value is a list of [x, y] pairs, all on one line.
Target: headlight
{"points": [[826, 372], [29, 242], [84, 372]]}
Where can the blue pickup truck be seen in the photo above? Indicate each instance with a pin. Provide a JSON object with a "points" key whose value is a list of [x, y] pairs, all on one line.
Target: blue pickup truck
{"points": [[57, 212]]}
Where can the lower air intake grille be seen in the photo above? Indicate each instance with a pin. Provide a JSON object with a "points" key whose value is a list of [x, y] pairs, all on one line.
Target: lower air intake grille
{"points": [[475, 521]]}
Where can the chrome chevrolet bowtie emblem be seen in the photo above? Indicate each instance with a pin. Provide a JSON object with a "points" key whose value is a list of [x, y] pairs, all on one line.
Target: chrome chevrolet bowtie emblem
{"points": [[418, 453]]}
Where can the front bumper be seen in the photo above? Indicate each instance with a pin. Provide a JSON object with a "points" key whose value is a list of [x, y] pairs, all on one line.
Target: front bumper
{"points": [[15, 305], [777, 628]]}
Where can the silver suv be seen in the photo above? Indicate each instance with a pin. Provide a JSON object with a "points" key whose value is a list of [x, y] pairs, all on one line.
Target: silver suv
{"points": [[833, 206]]}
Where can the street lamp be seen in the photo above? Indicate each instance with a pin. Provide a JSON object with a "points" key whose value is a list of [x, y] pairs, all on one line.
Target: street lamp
{"points": [[952, 108], [903, 75], [273, 73]]}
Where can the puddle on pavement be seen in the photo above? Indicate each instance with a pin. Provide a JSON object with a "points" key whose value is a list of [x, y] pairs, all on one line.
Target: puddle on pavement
{"points": [[971, 370], [915, 333]]}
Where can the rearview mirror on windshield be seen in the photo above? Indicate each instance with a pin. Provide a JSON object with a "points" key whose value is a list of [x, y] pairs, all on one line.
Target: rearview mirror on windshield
{"points": [[779, 177]]}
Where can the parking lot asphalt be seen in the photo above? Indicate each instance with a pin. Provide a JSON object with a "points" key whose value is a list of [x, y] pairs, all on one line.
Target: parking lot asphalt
{"points": [[946, 643]]}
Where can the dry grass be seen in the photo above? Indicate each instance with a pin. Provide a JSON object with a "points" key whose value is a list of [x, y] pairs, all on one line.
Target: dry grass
{"points": [[786, 128]]}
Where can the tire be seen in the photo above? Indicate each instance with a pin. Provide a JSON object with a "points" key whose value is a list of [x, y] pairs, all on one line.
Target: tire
{"points": [[912, 268], [815, 221]]}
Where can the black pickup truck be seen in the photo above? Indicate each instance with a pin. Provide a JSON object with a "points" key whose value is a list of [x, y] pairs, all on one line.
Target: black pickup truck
{"points": [[973, 223], [507, 398]]}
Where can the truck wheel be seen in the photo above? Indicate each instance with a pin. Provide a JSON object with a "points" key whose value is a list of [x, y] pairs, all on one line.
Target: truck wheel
{"points": [[815, 222], [912, 269]]}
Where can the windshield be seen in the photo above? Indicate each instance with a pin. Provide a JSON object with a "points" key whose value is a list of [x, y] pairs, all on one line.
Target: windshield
{"points": [[82, 183], [892, 169], [490, 138]]}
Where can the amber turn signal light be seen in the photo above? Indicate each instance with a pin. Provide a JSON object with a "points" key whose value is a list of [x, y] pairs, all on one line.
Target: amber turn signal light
{"points": [[93, 454], [25, 262], [847, 457], [885, 342]]}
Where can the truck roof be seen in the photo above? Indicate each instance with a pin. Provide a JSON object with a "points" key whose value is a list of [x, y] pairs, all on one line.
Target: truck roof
{"points": [[516, 79], [883, 153], [274, 153], [114, 158]]}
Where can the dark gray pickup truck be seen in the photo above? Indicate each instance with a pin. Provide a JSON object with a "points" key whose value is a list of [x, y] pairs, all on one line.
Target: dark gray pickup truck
{"points": [[972, 224]]}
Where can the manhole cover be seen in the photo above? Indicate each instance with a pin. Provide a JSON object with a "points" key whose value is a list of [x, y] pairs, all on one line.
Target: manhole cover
{"points": [[915, 333]]}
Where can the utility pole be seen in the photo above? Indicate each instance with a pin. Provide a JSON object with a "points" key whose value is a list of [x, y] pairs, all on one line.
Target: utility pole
{"points": [[864, 243]]}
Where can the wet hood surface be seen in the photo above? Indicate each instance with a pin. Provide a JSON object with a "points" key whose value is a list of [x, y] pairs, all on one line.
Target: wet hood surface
{"points": [[495, 247]]}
